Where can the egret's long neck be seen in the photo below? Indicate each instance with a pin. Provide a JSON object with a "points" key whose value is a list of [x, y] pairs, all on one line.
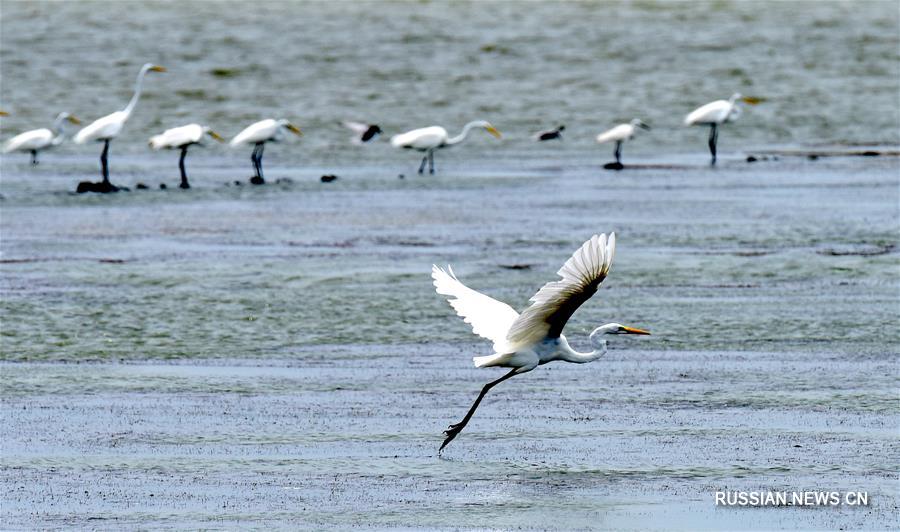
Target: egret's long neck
{"points": [[462, 136], [137, 92], [58, 125], [570, 355]]}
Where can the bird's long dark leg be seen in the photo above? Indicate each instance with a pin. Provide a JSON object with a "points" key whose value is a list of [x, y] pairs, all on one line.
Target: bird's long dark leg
{"points": [[253, 159], [103, 162], [431, 161], [184, 179], [262, 146], [455, 429], [713, 138], [422, 166], [619, 151], [34, 157]]}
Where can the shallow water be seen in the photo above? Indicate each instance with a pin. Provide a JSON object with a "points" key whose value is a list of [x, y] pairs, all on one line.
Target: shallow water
{"points": [[277, 356]]}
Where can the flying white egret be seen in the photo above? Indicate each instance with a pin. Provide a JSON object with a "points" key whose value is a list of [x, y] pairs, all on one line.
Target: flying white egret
{"points": [[182, 138], [620, 134], [716, 113], [269, 130], [363, 132], [107, 128], [525, 341], [428, 139], [38, 140], [549, 134]]}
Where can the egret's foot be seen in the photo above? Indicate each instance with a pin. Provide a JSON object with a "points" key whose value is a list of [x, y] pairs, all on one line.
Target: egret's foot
{"points": [[613, 166], [451, 433], [184, 186], [257, 180]]}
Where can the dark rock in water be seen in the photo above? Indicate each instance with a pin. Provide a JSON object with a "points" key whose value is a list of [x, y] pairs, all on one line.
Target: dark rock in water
{"points": [[812, 156], [141, 186], [284, 181], [516, 266], [751, 159], [328, 178], [256, 180], [101, 187], [237, 183], [870, 154], [401, 176], [163, 186], [613, 166]]}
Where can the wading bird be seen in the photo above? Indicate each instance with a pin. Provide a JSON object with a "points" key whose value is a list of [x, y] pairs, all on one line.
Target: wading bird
{"points": [[620, 134], [363, 132], [38, 140], [182, 138], [716, 113], [269, 130], [549, 134], [107, 128], [429, 139], [525, 341]]}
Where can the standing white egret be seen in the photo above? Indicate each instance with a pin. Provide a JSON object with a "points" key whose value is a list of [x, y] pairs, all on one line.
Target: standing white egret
{"points": [[620, 134], [525, 341], [269, 130], [715, 114], [428, 139], [107, 128], [362, 132], [38, 140], [182, 138]]}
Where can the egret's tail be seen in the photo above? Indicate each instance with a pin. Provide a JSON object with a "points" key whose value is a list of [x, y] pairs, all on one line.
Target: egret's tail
{"points": [[497, 359]]}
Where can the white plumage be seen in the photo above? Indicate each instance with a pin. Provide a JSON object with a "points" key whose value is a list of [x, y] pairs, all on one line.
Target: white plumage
{"points": [[38, 140], [108, 127], [269, 130], [258, 134], [620, 134], [534, 337], [179, 137], [429, 139], [488, 317], [717, 112]]}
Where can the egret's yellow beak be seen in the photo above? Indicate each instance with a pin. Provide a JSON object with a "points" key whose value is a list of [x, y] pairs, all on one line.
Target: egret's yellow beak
{"points": [[4, 113], [215, 135], [294, 129], [752, 100], [73, 119], [157, 68], [493, 131], [632, 330]]}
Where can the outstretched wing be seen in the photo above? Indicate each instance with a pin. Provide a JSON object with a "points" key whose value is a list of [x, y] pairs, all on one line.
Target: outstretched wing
{"points": [[556, 301], [488, 317]]}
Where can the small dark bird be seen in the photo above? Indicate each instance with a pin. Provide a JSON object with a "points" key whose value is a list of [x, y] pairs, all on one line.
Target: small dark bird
{"points": [[364, 132], [549, 134]]}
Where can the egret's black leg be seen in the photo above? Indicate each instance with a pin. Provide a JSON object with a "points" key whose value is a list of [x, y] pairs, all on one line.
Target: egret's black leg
{"points": [[34, 157], [455, 429], [259, 170], [253, 160], [619, 151], [713, 138], [103, 162], [422, 166], [431, 162], [184, 179]]}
